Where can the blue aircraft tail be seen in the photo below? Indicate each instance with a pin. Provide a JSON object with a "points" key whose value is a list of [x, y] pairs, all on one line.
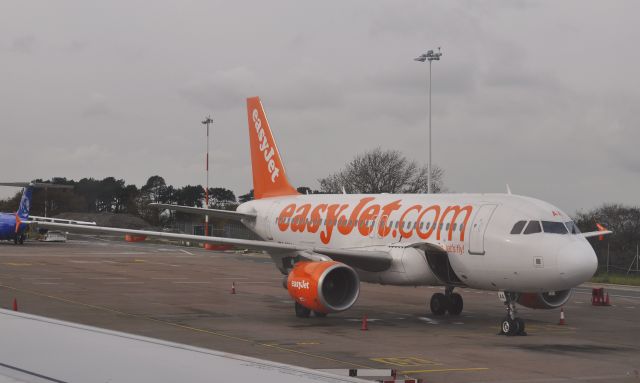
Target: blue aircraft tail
{"points": [[25, 203]]}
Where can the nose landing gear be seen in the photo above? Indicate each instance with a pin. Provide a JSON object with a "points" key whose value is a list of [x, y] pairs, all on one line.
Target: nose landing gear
{"points": [[511, 325], [448, 302]]}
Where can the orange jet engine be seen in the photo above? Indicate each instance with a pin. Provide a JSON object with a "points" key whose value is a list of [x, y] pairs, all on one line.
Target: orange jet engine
{"points": [[324, 287]]}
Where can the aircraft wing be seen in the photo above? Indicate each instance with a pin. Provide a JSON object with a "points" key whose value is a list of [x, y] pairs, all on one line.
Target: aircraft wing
{"points": [[36, 185], [39, 349], [368, 260], [59, 220], [226, 214], [245, 243]]}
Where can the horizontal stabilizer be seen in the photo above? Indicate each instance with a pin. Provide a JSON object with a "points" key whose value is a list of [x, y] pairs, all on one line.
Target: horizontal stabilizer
{"points": [[226, 214]]}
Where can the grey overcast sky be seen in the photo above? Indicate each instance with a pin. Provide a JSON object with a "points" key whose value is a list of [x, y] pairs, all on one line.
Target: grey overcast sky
{"points": [[542, 95]]}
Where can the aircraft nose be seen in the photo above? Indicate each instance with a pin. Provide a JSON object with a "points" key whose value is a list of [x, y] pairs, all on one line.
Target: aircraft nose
{"points": [[577, 262]]}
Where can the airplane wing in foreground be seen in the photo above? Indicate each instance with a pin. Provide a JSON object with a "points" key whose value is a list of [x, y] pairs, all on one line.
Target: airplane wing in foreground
{"points": [[225, 214], [39, 349]]}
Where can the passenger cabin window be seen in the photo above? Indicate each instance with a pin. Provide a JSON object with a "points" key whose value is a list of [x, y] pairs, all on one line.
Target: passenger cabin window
{"points": [[533, 227], [554, 227], [517, 228], [572, 227]]}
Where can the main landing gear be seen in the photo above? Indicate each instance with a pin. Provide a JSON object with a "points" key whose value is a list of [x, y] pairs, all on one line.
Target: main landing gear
{"points": [[448, 302], [511, 325], [303, 312], [18, 239]]}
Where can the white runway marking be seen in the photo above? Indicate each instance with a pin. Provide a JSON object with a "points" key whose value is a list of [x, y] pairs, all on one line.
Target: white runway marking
{"points": [[159, 263], [186, 252], [121, 253], [428, 320], [82, 262]]}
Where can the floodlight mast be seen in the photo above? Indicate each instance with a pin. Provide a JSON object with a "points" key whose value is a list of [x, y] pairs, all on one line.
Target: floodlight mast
{"points": [[207, 122], [429, 56]]}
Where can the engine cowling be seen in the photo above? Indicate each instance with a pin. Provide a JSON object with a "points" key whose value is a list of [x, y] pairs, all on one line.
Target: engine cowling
{"points": [[549, 300], [325, 287]]}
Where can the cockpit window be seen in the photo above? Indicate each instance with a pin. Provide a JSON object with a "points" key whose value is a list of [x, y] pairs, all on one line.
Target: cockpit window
{"points": [[554, 227], [572, 227], [517, 228], [533, 227]]}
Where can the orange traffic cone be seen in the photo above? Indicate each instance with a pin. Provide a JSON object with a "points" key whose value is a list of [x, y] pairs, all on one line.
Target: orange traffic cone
{"points": [[607, 302], [364, 327], [562, 322], [233, 287], [15, 304]]}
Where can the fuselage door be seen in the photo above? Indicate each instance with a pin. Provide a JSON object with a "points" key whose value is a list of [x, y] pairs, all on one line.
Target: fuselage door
{"points": [[478, 228]]}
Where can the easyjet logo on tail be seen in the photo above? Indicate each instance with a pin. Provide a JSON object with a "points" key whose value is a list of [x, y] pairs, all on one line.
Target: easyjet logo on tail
{"points": [[265, 148], [269, 175]]}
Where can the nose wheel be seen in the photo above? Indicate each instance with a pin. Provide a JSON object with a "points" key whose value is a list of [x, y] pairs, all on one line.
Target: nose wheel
{"points": [[448, 302], [511, 325]]}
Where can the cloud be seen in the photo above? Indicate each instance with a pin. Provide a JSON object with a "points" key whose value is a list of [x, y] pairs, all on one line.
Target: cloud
{"points": [[24, 44], [520, 95], [97, 107]]}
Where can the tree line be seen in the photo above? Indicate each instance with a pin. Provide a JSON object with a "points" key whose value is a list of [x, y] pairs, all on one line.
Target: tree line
{"points": [[375, 171], [111, 195], [621, 246]]}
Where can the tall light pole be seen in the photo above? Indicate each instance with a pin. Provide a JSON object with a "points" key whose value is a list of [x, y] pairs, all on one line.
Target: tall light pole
{"points": [[429, 56], [207, 122]]}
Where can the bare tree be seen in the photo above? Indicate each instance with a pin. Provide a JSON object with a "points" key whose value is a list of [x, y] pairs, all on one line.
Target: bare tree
{"points": [[382, 171]]}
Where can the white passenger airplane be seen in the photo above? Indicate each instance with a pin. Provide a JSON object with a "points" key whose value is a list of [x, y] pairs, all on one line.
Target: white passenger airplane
{"points": [[527, 250]]}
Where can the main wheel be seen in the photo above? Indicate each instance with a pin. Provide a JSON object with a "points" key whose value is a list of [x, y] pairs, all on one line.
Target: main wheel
{"points": [[509, 327], [520, 323], [15, 239], [455, 304], [438, 304], [318, 314], [21, 240], [301, 311]]}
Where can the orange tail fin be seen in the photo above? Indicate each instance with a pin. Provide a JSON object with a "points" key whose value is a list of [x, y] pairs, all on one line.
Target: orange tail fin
{"points": [[269, 177]]}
